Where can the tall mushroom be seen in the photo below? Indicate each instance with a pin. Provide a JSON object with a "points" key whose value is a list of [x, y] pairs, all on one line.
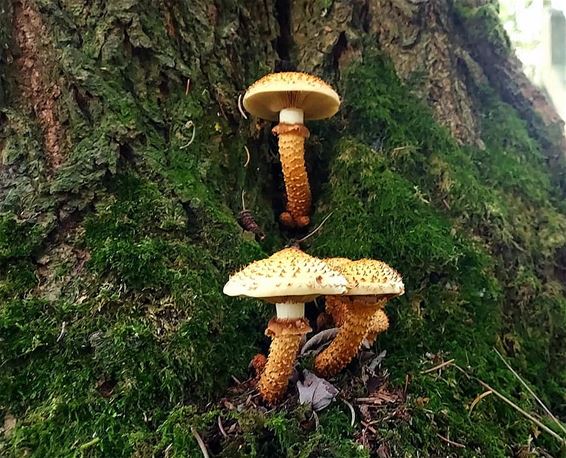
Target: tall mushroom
{"points": [[292, 97], [371, 285], [289, 278], [337, 307]]}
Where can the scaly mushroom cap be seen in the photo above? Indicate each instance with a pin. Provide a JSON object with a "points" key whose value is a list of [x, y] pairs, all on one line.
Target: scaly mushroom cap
{"points": [[288, 275], [336, 263], [276, 91], [368, 277]]}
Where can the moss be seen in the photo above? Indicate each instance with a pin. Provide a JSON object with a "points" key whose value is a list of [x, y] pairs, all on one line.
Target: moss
{"points": [[459, 223], [18, 239], [123, 358], [482, 24]]}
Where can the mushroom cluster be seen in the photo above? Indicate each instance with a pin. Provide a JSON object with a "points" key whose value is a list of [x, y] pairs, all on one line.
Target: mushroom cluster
{"points": [[289, 278], [292, 98]]}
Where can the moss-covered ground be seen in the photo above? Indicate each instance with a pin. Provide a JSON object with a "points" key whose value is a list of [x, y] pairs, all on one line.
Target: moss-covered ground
{"points": [[115, 338]]}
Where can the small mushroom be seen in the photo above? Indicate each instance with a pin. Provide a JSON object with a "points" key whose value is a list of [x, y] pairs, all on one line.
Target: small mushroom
{"points": [[337, 307], [289, 278], [372, 284], [292, 97]]}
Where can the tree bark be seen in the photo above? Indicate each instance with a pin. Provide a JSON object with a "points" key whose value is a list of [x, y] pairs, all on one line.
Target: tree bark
{"points": [[123, 155]]}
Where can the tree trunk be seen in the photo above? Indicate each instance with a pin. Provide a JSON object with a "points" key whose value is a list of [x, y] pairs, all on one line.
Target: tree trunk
{"points": [[123, 162]]}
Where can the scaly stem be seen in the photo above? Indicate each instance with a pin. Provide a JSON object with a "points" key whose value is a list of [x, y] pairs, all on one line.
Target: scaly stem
{"points": [[379, 323], [348, 341], [287, 336], [291, 151]]}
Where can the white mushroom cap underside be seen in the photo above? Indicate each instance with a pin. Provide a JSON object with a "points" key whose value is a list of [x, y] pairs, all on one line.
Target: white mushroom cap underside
{"points": [[368, 277], [270, 94], [289, 272]]}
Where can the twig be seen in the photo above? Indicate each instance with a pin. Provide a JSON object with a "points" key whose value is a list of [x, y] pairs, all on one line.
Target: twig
{"points": [[316, 420], [368, 426], [62, 333], [247, 156], [243, 113], [221, 427], [352, 411], [243, 201], [478, 399], [200, 442], [315, 230], [455, 444], [188, 125], [512, 404], [90, 443], [530, 391], [188, 86], [440, 366], [167, 450], [236, 380]]}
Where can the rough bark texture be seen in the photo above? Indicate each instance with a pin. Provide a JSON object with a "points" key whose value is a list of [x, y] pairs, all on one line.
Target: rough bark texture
{"points": [[122, 165]]}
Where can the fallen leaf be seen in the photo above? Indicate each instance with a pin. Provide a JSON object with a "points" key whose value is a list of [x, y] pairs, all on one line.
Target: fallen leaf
{"points": [[316, 391], [319, 342]]}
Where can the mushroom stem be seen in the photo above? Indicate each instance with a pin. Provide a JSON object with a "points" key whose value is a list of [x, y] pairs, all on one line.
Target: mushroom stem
{"points": [[349, 339], [292, 151], [287, 336], [337, 307], [379, 323]]}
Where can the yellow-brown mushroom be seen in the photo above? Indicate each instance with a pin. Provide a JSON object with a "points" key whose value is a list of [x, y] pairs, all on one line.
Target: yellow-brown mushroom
{"points": [[289, 278], [337, 307], [292, 97], [371, 285]]}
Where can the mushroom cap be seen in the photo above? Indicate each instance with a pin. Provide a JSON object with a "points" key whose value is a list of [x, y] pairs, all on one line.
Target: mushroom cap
{"points": [[287, 274], [336, 263], [368, 277], [276, 91]]}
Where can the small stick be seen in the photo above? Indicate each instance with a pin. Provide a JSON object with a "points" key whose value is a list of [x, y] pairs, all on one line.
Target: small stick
{"points": [[530, 391], [236, 380], [200, 442], [247, 156], [188, 125], [188, 86], [62, 333], [440, 366], [243, 113], [243, 202], [368, 426], [90, 443], [316, 420], [317, 228], [512, 404], [478, 399], [352, 411], [221, 427], [455, 444]]}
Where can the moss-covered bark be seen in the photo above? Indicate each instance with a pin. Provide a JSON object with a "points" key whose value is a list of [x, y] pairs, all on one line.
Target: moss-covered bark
{"points": [[113, 330]]}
